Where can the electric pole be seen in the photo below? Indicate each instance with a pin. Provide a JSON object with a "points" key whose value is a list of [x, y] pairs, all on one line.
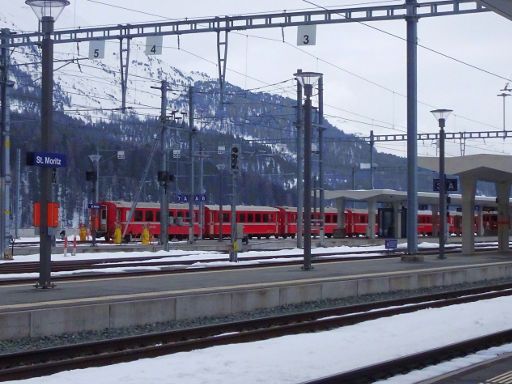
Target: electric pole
{"points": [[163, 175], [191, 154]]}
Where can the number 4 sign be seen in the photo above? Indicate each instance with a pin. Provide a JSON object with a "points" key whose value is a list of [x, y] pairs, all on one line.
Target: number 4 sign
{"points": [[97, 49], [154, 45], [306, 35]]}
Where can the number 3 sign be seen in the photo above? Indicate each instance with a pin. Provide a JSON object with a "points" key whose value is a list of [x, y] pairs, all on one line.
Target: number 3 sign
{"points": [[306, 35]]}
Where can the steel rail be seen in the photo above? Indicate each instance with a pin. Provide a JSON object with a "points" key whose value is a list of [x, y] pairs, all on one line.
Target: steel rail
{"points": [[178, 266], [402, 365]]}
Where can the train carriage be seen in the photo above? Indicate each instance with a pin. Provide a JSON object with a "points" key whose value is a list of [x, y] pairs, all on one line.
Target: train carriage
{"points": [[114, 213], [256, 221]]}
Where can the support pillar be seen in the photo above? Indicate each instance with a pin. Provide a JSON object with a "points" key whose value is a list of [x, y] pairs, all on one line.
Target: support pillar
{"points": [[372, 208], [468, 184], [397, 220], [503, 193], [435, 220], [480, 221], [340, 221]]}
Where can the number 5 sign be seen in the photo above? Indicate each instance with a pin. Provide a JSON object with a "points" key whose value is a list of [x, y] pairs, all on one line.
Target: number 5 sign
{"points": [[97, 49], [306, 35]]}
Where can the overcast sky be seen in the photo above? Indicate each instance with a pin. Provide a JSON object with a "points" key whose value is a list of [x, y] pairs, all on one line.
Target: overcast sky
{"points": [[364, 69]]}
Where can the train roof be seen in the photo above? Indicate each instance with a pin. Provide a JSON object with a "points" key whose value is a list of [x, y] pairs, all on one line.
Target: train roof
{"points": [[262, 208], [294, 209], [143, 204]]}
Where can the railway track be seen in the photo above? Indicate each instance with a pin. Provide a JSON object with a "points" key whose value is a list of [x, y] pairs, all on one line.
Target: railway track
{"points": [[23, 365], [390, 368], [179, 266]]}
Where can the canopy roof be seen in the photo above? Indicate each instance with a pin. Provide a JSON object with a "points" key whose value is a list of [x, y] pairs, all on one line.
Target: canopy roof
{"points": [[483, 167], [390, 196]]}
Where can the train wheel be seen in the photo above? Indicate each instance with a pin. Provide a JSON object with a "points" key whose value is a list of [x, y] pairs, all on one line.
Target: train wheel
{"points": [[128, 238]]}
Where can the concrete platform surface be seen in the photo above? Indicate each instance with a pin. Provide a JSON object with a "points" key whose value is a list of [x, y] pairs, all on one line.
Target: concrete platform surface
{"points": [[97, 304]]}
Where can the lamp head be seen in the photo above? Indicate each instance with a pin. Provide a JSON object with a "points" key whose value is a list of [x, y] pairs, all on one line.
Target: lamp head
{"points": [[47, 8], [441, 115], [307, 78]]}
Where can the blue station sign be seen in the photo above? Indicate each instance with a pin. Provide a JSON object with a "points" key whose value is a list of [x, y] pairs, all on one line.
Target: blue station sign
{"points": [[46, 159]]}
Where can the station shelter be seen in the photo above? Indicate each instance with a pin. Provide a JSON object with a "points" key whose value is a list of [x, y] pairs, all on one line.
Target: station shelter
{"points": [[392, 204], [470, 169]]}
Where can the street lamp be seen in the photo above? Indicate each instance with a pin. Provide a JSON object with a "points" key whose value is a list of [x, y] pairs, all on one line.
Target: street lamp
{"points": [[47, 11], [307, 80], [505, 92], [95, 160], [441, 115]]}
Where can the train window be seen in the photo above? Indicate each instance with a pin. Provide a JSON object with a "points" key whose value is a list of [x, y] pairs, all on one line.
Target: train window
{"points": [[104, 214], [179, 214], [250, 218], [157, 216], [265, 218], [138, 215], [257, 217], [328, 218], [149, 216], [226, 217], [241, 217]]}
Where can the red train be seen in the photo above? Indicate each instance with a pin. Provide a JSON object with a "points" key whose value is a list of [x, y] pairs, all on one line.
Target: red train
{"points": [[255, 221]]}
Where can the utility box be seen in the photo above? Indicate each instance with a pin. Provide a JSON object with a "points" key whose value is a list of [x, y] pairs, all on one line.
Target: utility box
{"points": [[53, 214], [239, 231]]}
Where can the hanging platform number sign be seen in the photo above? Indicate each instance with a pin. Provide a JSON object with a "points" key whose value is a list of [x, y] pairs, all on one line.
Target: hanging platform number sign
{"points": [[154, 45], [306, 35], [97, 49]]}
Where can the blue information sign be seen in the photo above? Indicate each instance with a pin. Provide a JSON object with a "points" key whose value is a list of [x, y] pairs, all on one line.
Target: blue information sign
{"points": [[451, 185], [93, 206], [183, 198], [46, 159], [391, 243]]}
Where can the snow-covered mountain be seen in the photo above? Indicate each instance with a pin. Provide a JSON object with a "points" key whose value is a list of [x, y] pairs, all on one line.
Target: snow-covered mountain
{"points": [[87, 98]]}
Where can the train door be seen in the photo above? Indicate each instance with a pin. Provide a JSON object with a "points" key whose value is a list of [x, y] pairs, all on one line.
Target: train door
{"points": [[386, 222], [103, 218], [404, 222]]}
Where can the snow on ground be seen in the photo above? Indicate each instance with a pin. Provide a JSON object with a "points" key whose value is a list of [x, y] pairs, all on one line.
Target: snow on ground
{"points": [[204, 258], [294, 359]]}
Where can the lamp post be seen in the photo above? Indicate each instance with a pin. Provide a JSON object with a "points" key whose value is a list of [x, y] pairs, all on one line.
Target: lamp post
{"points": [[307, 80], [505, 92], [47, 12], [95, 160], [441, 115]]}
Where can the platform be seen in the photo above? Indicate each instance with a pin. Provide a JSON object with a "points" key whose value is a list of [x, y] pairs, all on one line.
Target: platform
{"points": [[135, 300]]}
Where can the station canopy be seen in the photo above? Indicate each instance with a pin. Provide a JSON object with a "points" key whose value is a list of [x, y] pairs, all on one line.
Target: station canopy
{"points": [[391, 196], [501, 7], [492, 168]]}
